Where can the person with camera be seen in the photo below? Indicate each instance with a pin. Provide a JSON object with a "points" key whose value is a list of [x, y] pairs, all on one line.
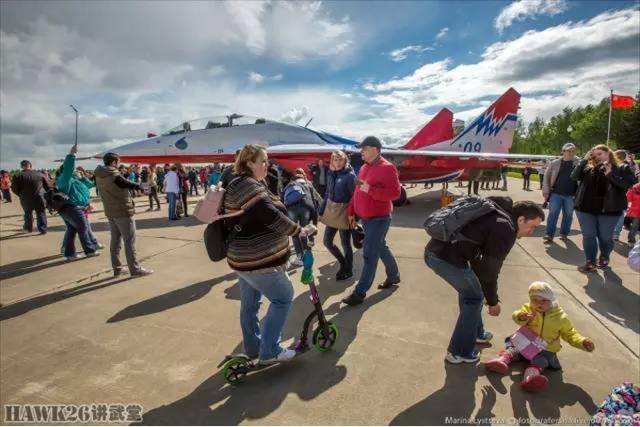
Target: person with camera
{"points": [[599, 203]]}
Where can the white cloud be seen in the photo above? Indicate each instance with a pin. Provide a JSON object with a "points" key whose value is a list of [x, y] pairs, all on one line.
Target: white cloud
{"points": [[295, 115], [442, 33], [401, 54], [523, 9], [260, 78], [569, 64]]}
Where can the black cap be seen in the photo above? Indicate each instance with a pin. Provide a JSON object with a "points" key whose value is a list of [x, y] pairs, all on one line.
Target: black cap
{"points": [[371, 141]]}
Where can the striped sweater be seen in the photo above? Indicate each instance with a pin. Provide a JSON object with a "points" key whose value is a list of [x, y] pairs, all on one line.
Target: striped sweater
{"points": [[264, 239]]}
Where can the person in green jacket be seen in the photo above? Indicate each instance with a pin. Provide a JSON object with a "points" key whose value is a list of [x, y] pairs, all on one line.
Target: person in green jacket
{"points": [[77, 190]]}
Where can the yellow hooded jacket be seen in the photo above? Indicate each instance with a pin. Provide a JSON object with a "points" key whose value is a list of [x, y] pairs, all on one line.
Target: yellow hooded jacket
{"points": [[551, 325]]}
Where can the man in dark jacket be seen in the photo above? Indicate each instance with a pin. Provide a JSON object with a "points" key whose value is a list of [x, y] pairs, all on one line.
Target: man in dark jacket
{"points": [[119, 208], [30, 186], [320, 175], [472, 268]]}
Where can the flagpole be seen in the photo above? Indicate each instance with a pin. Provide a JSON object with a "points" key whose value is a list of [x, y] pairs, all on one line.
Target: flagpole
{"points": [[609, 127]]}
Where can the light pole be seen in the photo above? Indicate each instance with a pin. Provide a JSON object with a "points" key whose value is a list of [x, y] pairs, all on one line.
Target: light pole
{"points": [[74, 109]]}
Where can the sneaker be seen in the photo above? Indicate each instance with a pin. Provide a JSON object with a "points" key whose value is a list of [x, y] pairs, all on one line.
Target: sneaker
{"points": [[117, 272], [564, 237], [72, 257], [588, 268], [284, 356], [485, 338], [142, 272], [353, 299], [456, 360], [389, 283], [92, 254], [344, 275], [99, 245], [603, 263], [297, 262], [547, 239]]}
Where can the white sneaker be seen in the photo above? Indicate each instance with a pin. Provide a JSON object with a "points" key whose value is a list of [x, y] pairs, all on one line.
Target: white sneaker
{"points": [[487, 337], [72, 257], [297, 262], [99, 245], [92, 254], [459, 359], [284, 356]]}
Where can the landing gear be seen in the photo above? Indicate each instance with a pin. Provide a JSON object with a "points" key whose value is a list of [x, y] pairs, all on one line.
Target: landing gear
{"points": [[400, 201]]}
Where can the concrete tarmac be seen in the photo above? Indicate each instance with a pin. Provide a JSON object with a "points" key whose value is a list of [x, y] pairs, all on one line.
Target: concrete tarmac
{"points": [[72, 334]]}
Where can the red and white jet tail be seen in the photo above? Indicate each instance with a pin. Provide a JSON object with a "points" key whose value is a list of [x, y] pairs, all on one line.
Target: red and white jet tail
{"points": [[438, 129], [491, 132]]}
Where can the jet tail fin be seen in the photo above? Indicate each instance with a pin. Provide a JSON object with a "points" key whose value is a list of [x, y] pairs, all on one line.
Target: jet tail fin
{"points": [[438, 129]]}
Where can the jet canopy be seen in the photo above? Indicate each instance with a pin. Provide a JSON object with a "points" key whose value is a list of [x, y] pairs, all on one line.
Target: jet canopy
{"points": [[215, 123]]}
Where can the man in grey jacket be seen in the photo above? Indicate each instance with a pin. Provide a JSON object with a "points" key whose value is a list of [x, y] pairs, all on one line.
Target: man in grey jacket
{"points": [[558, 189], [119, 208]]}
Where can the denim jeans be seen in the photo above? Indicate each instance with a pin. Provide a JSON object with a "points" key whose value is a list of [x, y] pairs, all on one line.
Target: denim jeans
{"points": [[557, 203], [375, 248], [300, 215], [470, 297], [618, 228], [346, 259], [173, 198], [273, 283], [597, 231], [76, 223], [633, 229], [41, 218]]}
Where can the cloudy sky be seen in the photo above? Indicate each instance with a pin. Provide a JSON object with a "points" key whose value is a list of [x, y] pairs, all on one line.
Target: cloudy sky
{"points": [[357, 67]]}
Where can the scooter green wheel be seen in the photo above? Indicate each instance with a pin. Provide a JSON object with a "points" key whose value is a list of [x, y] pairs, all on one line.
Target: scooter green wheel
{"points": [[323, 343], [235, 370]]}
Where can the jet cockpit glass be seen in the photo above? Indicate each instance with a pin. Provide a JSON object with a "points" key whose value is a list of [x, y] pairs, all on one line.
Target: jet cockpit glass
{"points": [[215, 123]]}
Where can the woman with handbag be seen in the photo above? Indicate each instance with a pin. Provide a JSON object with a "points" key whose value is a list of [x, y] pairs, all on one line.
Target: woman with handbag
{"points": [[341, 183]]}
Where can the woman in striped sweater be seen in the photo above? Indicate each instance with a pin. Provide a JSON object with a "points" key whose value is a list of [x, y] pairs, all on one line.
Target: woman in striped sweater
{"points": [[258, 253]]}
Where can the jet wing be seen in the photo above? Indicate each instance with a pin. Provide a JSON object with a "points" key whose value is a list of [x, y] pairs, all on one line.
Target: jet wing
{"points": [[466, 155]]}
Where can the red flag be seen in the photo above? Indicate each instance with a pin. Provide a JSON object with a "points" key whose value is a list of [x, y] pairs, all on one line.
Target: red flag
{"points": [[151, 134], [621, 102]]}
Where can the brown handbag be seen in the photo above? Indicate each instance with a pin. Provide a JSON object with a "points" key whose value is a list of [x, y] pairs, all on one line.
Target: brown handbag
{"points": [[335, 215]]}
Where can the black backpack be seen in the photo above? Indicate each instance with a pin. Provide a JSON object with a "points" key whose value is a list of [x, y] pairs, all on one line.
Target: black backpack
{"points": [[446, 223], [56, 200]]}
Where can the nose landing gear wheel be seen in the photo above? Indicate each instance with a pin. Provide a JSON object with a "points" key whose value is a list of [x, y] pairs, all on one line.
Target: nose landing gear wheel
{"points": [[324, 343], [235, 370]]}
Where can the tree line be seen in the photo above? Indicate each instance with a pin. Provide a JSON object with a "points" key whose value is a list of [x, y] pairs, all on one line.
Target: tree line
{"points": [[584, 126]]}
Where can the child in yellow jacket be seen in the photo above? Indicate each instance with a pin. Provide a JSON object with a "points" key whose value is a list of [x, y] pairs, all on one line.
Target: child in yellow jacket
{"points": [[547, 320]]}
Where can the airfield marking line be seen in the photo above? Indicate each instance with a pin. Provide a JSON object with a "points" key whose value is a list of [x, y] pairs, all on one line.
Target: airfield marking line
{"points": [[580, 302]]}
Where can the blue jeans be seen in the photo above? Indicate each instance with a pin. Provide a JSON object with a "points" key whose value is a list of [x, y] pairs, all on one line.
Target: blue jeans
{"points": [[618, 228], [557, 203], [597, 231], [41, 218], [273, 283], [300, 215], [173, 199], [375, 248], [470, 297], [76, 223]]}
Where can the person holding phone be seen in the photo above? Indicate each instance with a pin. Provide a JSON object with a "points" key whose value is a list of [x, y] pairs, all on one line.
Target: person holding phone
{"points": [[377, 185], [599, 202]]}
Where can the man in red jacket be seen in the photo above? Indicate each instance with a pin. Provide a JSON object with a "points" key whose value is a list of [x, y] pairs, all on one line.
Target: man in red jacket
{"points": [[377, 186]]}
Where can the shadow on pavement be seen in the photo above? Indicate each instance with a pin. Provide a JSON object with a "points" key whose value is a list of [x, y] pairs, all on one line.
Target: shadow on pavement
{"points": [[566, 252], [170, 300], [141, 224], [214, 402], [22, 307], [453, 404], [27, 266], [613, 300]]}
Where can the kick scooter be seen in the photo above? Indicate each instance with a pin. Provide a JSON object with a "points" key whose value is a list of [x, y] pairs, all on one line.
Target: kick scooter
{"points": [[236, 366]]}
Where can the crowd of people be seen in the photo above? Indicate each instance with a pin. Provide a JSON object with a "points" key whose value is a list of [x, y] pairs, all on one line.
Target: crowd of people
{"points": [[273, 206]]}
